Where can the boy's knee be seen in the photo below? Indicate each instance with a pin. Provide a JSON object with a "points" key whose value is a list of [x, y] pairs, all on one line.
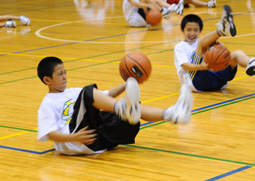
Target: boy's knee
{"points": [[236, 53]]}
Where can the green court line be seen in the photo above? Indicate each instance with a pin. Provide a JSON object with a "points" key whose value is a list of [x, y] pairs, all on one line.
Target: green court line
{"points": [[193, 155], [205, 110], [121, 51], [155, 124], [160, 122], [22, 129], [223, 105]]}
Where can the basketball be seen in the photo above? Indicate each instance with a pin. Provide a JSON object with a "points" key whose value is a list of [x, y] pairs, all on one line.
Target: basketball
{"points": [[173, 1], [153, 17], [135, 65], [217, 56]]}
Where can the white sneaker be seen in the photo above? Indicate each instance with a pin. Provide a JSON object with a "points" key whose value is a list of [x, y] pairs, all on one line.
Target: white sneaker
{"points": [[10, 24], [165, 13], [128, 108], [180, 7], [24, 20], [180, 113], [211, 4], [226, 25], [250, 69]]}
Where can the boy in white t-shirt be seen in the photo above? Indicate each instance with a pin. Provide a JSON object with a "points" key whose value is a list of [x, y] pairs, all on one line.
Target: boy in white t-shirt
{"points": [[188, 54], [87, 121], [135, 10]]}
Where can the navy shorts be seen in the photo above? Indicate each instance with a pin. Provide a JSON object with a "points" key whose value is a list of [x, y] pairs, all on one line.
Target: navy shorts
{"points": [[211, 81]]}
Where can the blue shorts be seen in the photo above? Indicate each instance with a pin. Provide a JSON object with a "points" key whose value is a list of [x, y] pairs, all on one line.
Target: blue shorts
{"points": [[210, 81]]}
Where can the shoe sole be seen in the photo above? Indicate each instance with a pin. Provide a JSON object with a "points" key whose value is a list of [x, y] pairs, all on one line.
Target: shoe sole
{"points": [[251, 70], [133, 97], [229, 16]]}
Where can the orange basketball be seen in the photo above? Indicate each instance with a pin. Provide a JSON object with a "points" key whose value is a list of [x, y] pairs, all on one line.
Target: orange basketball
{"points": [[153, 17], [135, 65], [217, 56]]}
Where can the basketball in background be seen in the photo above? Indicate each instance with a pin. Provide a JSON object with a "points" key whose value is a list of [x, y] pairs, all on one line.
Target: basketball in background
{"points": [[153, 17], [217, 56], [173, 1], [135, 65]]}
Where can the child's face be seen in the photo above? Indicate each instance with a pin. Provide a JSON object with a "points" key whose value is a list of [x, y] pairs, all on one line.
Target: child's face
{"points": [[191, 32], [58, 81]]}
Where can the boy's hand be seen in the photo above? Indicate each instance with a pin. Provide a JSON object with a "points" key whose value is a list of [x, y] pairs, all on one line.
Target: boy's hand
{"points": [[85, 136], [204, 66]]}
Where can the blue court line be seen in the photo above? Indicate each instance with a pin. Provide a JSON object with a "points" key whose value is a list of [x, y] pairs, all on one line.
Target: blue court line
{"points": [[142, 125], [231, 100], [123, 34], [229, 173], [24, 150]]}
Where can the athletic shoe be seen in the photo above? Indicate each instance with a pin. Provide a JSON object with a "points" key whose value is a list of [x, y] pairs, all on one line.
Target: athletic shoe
{"points": [[211, 4], [180, 7], [165, 13], [10, 24], [250, 69], [180, 113], [128, 108], [226, 25], [24, 20]]}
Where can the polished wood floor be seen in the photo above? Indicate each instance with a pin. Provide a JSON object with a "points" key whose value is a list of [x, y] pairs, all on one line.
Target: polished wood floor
{"points": [[91, 38]]}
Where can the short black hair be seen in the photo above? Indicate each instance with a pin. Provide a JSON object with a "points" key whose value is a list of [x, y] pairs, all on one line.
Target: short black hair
{"points": [[46, 67], [192, 18]]}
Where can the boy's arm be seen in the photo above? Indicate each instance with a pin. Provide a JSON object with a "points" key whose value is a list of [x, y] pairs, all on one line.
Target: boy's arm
{"points": [[84, 136], [115, 91], [191, 66]]}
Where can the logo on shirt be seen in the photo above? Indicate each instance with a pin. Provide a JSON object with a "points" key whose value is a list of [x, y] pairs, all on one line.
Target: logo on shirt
{"points": [[68, 110]]}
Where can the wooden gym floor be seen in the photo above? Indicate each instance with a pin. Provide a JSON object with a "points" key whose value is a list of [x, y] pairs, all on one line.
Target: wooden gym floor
{"points": [[91, 38]]}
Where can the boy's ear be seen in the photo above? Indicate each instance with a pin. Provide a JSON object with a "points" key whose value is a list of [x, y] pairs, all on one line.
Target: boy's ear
{"points": [[46, 80]]}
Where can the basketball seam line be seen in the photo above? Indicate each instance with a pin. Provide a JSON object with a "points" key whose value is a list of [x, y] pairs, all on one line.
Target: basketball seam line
{"points": [[139, 65]]}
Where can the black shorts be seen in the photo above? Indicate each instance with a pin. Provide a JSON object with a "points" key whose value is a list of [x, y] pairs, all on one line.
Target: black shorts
{"points": [[111, 130], [142, 13]]}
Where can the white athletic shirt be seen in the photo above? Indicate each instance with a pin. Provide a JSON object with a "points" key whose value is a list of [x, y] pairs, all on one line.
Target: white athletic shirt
{"points": [[131, 14], [183, 54], [53, 115]]}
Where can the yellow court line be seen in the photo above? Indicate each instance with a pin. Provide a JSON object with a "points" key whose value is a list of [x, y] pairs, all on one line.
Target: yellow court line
{"points": [[28, 55], [16, 134], [88, 60], [162, 97], [237, 78], [23, 132]]}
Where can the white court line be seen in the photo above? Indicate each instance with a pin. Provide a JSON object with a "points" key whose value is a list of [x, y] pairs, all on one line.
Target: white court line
{"points": [[38, 33]]}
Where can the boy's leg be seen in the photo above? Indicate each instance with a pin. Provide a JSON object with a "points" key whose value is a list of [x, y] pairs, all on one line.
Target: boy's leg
{"points": [[8, 17], [225, 27], [179, 113], [127, 108], [240, 58]]}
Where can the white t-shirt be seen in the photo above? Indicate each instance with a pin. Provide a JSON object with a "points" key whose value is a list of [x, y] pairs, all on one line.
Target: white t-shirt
{"points": [[183, 54], [54, 114], [131, 14]]}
